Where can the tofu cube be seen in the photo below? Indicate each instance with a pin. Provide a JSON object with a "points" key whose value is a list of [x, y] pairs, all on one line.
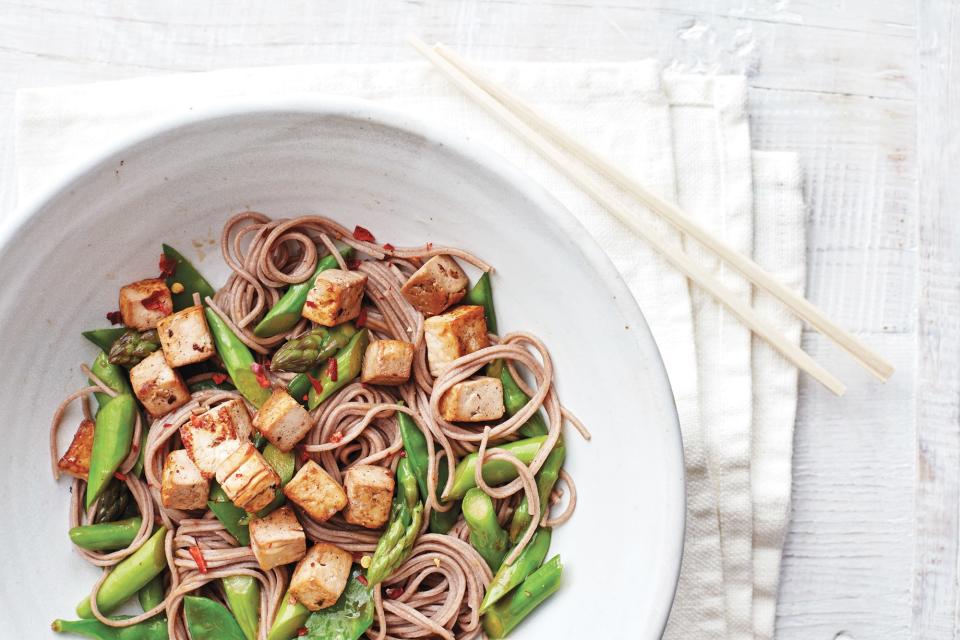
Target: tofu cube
{"points": [[335, 297], [387, 362], [321, 576], [453, 335], [369, 494], [314, 491], [76, 460], [213, 435], [185, 337], [435, 286], [247, 478], [158, 387], [144, 303], [183, 487], [477, 400], [277, 539], [282, 420]]}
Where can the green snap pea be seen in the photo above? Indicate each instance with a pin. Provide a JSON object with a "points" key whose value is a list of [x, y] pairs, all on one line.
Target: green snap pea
{"points": [[129, 576], [106, 536], [286, 312], [153, 629], [415, 447], [210, 620], [349, 361], [285, 466], [238, 360], [243, 598], [546, 479], [187, 275], [482, 294], [495, 472], [152, 594], [291, 616], [401, 533], [104, 338], [112, 375], [234, 518], [112, 438]]}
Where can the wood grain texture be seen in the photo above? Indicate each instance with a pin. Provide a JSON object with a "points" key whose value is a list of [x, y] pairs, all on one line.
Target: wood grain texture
{"points": [[872, 550]]}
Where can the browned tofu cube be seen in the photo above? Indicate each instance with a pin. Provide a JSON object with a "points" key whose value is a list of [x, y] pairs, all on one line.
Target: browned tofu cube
{"points": [[387, 362], [454, 335], [335, 297], [76, 460], [435, 286], [185, 337], [477, 400], [183, 487], [277, 539], [282, 420], [158, 387], [314, 491], [247, 478], [369, 494], [321, 576], [144, 303], [213, 435]]}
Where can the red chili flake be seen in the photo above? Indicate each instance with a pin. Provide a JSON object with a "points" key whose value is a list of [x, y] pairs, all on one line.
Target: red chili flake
{"points": [[119, 476], [167, 425], [305, 397], [403, 454], [362, 580], [218, 378], [332, 369], [394, 592], [363, 235], [317, 385], [353, 264], [335, 437], [311, 304], [115, 317], [302, 631], [156, 301], [389, 247], [304, 456], [197, 556], [362, 318], [168, 266], [258, 372]]}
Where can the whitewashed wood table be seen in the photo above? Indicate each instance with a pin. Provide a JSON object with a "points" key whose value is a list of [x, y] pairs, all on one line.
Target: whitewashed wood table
{"points": [[865, 90]]}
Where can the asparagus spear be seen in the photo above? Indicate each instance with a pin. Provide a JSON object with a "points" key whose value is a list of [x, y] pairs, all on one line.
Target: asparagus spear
{"points": [[495, 472], [133, 346], [311, 349], [486, 534], [128, 577], [415, 446], [113, 502], [501, 619], [104, 338], [510, 575], [107, 536], [546, 479], [153, 629], [406, 517]]}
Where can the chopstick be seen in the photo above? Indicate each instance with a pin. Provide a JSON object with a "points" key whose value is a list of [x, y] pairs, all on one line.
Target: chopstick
{"points": [[676, 257], [802, 307]]}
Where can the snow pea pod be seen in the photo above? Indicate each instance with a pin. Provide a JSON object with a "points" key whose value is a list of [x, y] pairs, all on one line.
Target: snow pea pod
{"points": [[106, 536], [349, 360], [482, 294], [349, 618], [237, 359], [104, 338], [153, 629], [112, 439], [112, 375], [495, 472], [128, 577], [188, 276], [243, 597], [234, 518], [286, 312], [210, 620], [415, 446]]}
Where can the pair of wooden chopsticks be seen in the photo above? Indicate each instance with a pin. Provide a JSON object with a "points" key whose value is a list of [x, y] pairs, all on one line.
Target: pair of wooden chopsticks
{"points": [[551, 142]]}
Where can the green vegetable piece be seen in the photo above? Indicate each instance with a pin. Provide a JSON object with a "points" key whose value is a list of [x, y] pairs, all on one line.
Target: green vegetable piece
{"points": [[234, 518], [286, 312], [209, 385], [349, 361], [415, 446], [514, 399], [237, 359], [137, 469], [112, 438], [507, 614], [285, 466], [129, 576], [104, 338], [210, 620], [349, 618], [133, 346], [303, 353], [113, 376], [243, 597], [406, 516], [291, 616], [486, 534], [152, 594], [482, 294], [113, 503], [152, 629], [187, 275], [510, 575], [546, 479], [107, 536], [495, 472]]}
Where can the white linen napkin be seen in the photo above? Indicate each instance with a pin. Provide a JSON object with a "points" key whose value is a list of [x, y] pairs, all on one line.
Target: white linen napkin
{"points": [[707, 355]]}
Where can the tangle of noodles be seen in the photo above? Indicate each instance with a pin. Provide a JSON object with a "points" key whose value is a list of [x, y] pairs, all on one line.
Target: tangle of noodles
{"points": [[436, 592]]}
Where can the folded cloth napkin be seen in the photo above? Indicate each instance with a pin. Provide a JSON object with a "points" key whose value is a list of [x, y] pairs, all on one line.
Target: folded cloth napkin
{"points": [[686, 137]]}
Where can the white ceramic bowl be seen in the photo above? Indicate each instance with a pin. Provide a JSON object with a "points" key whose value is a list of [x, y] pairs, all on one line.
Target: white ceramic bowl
{"points": [[409, 183]]}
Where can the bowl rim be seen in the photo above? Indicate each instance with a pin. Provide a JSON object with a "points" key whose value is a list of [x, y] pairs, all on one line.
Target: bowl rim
{"points": [[28, 213]]}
